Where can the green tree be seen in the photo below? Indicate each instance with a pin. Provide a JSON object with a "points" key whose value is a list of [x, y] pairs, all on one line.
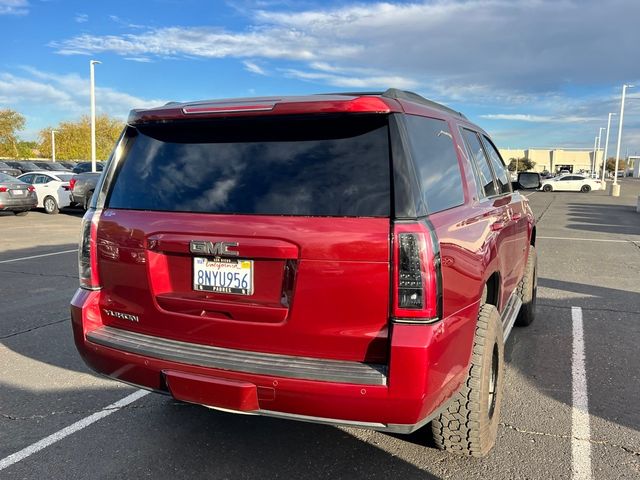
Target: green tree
{"points": [[523, 164], [11, 122], [611, 164], [73, 139], [27, 149]]}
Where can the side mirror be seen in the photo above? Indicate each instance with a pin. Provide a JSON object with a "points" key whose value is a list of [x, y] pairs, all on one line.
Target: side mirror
{"points": [[527, 181]]}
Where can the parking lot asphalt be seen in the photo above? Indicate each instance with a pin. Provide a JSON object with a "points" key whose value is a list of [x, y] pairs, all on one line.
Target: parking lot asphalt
{"points": [[589, 257]]}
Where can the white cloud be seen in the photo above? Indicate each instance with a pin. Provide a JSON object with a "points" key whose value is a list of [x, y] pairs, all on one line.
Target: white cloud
{"points": [[68, 93], [14, 7], [254, 68], [521, 117], [456, 45], [81, 17]]}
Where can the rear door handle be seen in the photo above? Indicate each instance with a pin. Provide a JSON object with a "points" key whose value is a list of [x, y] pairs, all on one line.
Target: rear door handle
{"points": [[497, 226], [516, 216]]}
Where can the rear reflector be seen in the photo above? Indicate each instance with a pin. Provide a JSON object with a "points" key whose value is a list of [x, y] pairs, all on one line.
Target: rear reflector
{"points": [[417, 284]]}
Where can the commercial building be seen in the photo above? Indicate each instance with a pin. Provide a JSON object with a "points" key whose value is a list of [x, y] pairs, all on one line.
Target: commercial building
{"points": [[556, 159]]}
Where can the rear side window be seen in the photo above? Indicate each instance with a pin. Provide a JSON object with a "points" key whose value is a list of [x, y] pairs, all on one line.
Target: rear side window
{"points": [[434, 154], [502, 176], [483, 170], [316, 165]]}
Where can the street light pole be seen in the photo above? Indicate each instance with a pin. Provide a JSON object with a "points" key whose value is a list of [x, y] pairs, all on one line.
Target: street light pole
{"points": [[93, 114], [595, 150], [595, 160], [53, 145], [606, 148], [615, 189]]}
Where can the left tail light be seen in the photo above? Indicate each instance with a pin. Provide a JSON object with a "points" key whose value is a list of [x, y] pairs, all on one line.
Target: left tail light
{"points": [[87, 252], [72, 183]]}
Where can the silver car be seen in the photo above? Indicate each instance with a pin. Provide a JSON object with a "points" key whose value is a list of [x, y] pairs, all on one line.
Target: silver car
{"points": [[16, 196]]}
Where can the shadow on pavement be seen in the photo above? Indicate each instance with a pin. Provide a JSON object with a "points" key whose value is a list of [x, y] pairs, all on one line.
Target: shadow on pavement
{"points": [[619, 219]]}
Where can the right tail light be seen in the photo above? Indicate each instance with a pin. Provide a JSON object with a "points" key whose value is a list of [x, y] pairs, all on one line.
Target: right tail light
{"points": [[417, 280]]}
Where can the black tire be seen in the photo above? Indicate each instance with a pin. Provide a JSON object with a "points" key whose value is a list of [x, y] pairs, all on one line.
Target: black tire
{"points": [[547, 188], [527, 290], [50, 205], [87, 200], [469, 425], [585, 189], [21, 213]]}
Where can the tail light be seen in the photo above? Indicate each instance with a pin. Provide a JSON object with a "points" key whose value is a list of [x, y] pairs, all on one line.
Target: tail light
{"points": [[72, 183], [417, 280], [87, 252], [3, 189], [31, 188]]}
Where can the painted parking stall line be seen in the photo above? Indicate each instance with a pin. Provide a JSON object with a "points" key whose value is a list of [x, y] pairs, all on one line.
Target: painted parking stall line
{"points": [[38, 256], [74, 427], [580, 429]]}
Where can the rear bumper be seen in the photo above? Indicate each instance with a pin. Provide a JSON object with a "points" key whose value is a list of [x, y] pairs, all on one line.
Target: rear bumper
{"points": [[12, 203], [422, 374]]}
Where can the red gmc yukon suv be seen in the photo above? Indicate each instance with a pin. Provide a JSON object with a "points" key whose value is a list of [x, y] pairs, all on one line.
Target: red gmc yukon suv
{"points": [[351, 259]]}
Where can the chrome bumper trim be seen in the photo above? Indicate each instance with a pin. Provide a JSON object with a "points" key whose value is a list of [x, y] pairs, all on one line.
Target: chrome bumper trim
{"points": [[240, 360]]}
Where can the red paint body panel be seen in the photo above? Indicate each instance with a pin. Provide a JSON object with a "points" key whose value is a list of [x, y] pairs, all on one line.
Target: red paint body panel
{"points": [[339, 306]]}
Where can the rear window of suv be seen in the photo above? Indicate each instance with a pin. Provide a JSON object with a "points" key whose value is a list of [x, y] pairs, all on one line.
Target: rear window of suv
{"points": [[323, 165]]}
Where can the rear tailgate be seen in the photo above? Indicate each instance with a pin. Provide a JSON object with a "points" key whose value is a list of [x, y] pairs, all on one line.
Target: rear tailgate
{"points": [[292, 213]]}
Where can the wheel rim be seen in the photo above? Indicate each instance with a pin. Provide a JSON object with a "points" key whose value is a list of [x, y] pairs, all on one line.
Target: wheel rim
{"points": [[49, 205], [493, 382]]}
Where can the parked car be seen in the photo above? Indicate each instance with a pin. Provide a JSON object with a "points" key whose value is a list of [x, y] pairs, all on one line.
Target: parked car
{"points": [[15, 195], [68, 165], [52, 189], [350, 259], [24, 167], [82, 167], [563, 172], [9, 170], [52, 166], [570, 183], [82, 188]]}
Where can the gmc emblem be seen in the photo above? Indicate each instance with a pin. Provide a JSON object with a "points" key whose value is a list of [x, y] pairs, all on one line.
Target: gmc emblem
{"points": [[205, 247]]}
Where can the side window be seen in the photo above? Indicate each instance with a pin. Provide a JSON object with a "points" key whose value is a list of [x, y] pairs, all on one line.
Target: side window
{"points": [[27, 179], [41, 179], [502, 175], [434, 155], [482, 164]]}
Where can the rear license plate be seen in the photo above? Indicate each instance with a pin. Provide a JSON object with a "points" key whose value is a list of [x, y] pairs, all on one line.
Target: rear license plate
{"points": [[223, 275], [17, 192]]}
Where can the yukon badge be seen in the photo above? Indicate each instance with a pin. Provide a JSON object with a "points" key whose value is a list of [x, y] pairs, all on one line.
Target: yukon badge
{"points": [[204, 247], [122, 316]]}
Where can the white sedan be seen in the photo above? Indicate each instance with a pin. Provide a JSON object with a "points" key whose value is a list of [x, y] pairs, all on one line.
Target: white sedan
{"points": [[52, 189], [570, 183]]}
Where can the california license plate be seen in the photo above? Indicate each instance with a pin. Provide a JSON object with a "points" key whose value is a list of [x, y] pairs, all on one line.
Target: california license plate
{"points": [[17, 192], [223, 275]]}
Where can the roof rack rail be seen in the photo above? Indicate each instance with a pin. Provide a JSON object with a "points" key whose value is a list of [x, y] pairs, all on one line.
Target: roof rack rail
{"points": [[414, 97]]}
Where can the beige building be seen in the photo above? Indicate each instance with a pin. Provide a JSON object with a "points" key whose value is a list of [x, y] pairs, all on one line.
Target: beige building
{"points": [[556, 159]]}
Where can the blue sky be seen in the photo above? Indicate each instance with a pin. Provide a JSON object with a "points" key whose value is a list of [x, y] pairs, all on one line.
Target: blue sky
{"points": [[534, 73]]}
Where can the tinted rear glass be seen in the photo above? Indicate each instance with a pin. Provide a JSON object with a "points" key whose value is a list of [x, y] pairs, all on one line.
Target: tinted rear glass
{"points": [[65, 177], [322, 165]]}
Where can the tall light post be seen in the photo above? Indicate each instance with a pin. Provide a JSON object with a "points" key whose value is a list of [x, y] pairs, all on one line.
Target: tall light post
{"points": [[595, 150], [93, 114], [53, 145], [595, 160], [615, 188], [606, 148]]}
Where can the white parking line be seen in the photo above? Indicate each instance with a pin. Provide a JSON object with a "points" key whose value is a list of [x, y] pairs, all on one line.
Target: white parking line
{"points": [[580, 430], [74, 427], [38, 256], [532, 193], [610, 240]]}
